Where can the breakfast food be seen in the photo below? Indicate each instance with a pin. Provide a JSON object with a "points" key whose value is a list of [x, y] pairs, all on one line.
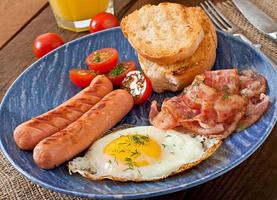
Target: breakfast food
{"points": [[81, 77], [186, 130], [102, 21], [138, 85], [120, 71], [215, 104], [166, 33], [79, 135], [102, 60], [253, 87], [45, 43], [31, 132], [142, 154], [176, 76]]}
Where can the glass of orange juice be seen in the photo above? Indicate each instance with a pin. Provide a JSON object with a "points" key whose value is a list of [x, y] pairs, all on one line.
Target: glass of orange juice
{"points": [[75, 15]]}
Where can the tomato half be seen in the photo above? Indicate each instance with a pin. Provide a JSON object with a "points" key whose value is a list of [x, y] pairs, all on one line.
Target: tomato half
{"points": [[102, 60], [119, 72], [138, 85], [103, 21], [45, 43], [81, 77]]}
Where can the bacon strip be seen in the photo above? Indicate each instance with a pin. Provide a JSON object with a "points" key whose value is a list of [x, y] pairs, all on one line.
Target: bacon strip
{"points": [[162, 119], [230, 128], [214, 104], [252, 84], [253, 112], [223, 80], [253, 87]]}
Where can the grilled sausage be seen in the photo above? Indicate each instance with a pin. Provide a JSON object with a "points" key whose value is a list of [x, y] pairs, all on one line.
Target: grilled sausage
{"points": [[67, 143], [28, 134]]}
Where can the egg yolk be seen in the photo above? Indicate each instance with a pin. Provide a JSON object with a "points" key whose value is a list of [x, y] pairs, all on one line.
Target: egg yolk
{"points": [[134, 150]]}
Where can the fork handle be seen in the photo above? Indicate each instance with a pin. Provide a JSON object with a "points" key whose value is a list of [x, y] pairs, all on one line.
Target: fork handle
{"points": [[245, 39]]}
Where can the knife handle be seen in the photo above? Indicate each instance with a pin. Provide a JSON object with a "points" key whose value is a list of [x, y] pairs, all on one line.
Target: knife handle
{"points": [[245, 39]]}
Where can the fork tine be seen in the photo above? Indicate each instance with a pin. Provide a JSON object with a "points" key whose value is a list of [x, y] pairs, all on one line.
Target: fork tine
{"points": [[228, 22], [229, 2], [225, 3], [213, 18], [216, 15]]}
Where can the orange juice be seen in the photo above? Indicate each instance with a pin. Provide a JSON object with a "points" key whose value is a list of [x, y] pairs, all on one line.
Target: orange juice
{"points": [[69, 12]]}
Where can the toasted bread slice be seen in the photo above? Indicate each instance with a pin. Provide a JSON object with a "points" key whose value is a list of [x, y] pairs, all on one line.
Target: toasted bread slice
{"points": [[176, 76], [166, 33]]}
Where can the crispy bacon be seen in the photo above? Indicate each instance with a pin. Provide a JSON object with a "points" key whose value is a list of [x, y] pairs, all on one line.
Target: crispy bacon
{"points": [[227, 106], [214, 104], [223, 80], [162, 119], [230, 128], [252, 84], [195, 127], [217, 118], [253, 87], [199, 92], [255, 109]]}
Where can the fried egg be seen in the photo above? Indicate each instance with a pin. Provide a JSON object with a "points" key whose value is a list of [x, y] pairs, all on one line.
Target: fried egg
{"points": [[143, 153]]}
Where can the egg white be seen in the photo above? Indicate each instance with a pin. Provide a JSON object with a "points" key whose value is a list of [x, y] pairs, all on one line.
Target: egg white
{"points": [[177, 151]]}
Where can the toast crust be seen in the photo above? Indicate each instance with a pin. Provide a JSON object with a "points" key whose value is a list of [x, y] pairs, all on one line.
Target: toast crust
{"points": [[176, 76], [165, 34]]}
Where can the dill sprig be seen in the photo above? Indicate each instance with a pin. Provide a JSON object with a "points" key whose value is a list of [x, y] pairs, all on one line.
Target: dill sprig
{"points": [[226, 93], [130, 163], [196, 84], [135, 153], [139, 139], [119, 69], [97, 57]]}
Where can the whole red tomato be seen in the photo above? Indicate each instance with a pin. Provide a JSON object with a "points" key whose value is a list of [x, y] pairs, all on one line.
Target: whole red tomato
{"points": [[103, 21], [45, 43]]}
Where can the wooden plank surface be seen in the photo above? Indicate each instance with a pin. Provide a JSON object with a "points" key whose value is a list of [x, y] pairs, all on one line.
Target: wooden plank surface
{"points": [[15, 14], [17, 55], [255, 178]]}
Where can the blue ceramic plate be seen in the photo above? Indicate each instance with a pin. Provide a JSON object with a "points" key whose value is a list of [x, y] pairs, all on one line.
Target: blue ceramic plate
{"points": [[45, 84]]}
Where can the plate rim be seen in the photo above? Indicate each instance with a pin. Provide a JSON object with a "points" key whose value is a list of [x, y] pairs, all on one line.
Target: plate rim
{"points": [[169, 190]]}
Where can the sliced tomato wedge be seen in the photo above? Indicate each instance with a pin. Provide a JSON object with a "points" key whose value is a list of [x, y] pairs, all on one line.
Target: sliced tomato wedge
{"points": [[138, 85], [81, 77], [120, 71], [102, 60]]}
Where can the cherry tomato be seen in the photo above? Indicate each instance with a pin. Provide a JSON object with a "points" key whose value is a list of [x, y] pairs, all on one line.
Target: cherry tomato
{"points": [[119, 72], [103, 21], [81, 77], [45, 43], [138, 85], [103, 60]]}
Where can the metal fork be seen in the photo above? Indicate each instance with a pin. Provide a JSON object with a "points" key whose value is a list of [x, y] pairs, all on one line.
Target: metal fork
{"points": [[222, 23]]}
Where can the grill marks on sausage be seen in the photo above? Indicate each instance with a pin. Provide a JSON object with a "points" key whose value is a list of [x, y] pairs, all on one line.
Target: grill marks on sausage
{"points": [[77, 136], [74, 108], [61, 116], [44, 120], [64, 135]]}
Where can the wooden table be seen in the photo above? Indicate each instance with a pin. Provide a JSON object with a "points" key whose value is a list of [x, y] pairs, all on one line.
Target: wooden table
{"points": [[21, 21]]}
